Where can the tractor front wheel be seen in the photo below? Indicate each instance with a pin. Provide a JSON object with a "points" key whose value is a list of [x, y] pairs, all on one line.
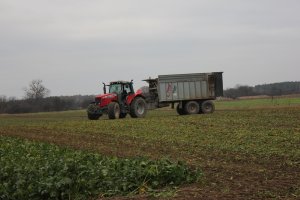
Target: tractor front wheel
{"points": [[93, 112], [113, 110], [138, 108]]}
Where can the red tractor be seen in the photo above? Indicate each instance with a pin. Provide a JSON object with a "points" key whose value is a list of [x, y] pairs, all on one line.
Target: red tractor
{"points": [[118, 102]]}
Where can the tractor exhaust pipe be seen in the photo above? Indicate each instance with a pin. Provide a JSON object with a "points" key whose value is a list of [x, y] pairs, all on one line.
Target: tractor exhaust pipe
{"points": [[104, 88]]}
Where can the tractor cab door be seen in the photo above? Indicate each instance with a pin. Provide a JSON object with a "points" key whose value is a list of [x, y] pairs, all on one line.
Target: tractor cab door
{"points": [[128, 90]]}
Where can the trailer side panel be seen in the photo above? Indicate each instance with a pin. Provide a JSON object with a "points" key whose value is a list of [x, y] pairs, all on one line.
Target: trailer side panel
{"points": [[181, 87]]}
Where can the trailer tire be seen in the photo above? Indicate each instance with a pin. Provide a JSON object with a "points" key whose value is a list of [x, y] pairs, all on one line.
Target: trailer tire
{"points": [[138, 108], [191, 107], [113, 110], [180, 111], [207, 107]]}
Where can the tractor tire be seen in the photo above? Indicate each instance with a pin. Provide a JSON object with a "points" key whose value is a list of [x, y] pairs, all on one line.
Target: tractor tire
{"points": [[92, 112], [138, 108], [180, 111], [113, 110], [207, 107], [122, 115], [191, 107]]}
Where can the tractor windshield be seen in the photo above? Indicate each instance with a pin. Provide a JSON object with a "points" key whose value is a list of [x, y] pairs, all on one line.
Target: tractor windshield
{"points": [[115, 88]]}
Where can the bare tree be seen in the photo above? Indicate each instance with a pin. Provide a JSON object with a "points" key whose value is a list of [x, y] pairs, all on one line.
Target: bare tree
{"points": [[3, 99], [36, 90]]}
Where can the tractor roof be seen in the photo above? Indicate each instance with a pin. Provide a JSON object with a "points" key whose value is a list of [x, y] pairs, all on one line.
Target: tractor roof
{"points": [[119, 82]]}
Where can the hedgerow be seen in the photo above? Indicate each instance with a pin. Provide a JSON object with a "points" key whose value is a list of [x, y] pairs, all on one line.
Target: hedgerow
{"points": [[32, 170]]}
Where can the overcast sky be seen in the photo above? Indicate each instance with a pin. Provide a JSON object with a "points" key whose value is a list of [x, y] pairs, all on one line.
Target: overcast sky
{"points": [[74, 45]]}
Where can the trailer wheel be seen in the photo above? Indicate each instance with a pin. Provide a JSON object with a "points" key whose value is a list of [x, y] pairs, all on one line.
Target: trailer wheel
{"points": [[122, 115], [207, 107], [113, 110], [191, 107], [180, 111], [138, 108]]}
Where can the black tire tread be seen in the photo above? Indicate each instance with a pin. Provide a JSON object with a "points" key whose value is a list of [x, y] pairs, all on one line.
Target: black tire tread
{"points": [[206, 103], [133, 112], [188, 104], [111, 110]]}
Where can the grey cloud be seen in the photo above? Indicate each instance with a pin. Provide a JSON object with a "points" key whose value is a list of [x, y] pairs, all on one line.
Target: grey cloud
{"points": [[74, 45]]}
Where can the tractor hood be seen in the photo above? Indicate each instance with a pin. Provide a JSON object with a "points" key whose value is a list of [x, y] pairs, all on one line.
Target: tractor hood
{"points": [[106, 96], [105, 99]]}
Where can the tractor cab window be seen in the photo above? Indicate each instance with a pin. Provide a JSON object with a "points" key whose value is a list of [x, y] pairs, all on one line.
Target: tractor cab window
{"points": [[116, 88]]}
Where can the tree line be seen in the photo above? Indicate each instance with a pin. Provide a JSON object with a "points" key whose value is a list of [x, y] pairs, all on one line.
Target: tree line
{"points": [[47, 104], [273, 89], [36, 100]]}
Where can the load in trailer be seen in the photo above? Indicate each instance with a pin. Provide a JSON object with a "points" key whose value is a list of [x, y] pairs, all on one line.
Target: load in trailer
{"points": [[193, 94]]}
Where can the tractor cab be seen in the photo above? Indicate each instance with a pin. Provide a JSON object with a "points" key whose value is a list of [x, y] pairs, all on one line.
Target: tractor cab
{"points": [[119, 87], [122, 89]]}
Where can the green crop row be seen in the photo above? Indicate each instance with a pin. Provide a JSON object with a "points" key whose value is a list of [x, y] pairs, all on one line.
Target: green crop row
{"points": [[257, 103], [31, 170]]}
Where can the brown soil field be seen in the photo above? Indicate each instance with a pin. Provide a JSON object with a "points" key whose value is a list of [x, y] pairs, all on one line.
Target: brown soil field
{"points": [[252, 154]]}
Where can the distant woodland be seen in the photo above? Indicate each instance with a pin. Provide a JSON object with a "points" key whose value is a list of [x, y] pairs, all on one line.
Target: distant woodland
{"points": [[35, 100], [46, 104], [274, 89]]}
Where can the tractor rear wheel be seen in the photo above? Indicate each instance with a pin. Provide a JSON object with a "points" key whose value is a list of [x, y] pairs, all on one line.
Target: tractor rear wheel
{"points": [[113, 110], [207, 107], [138, 108], [192, 107]]}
